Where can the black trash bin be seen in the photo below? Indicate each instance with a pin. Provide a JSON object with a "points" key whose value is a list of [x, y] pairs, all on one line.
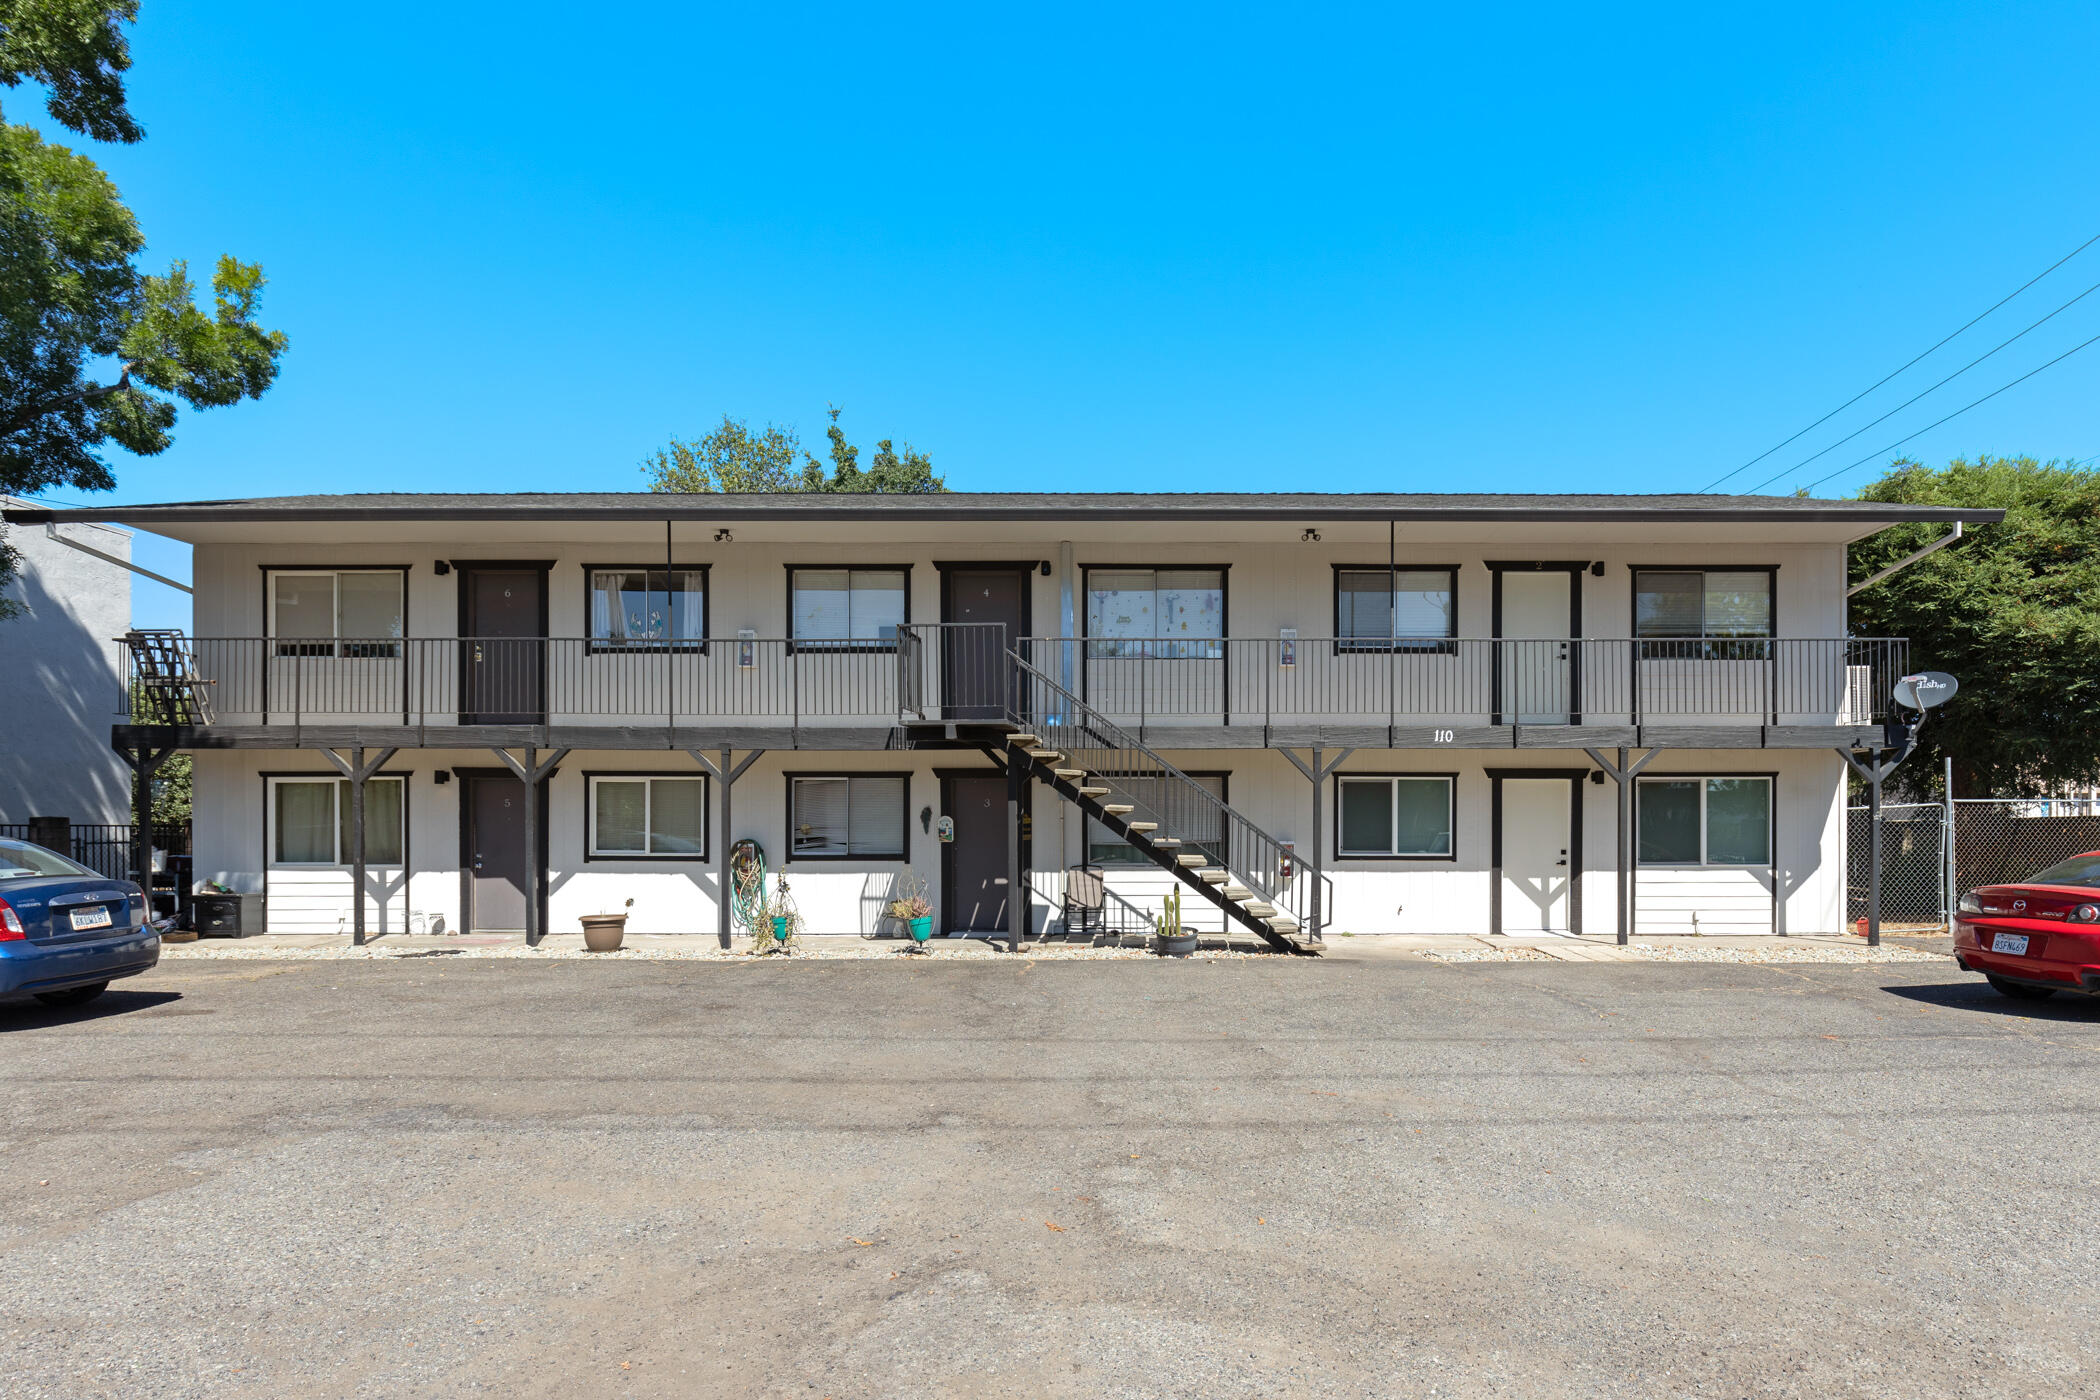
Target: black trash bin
{"points": [[219, 915]]}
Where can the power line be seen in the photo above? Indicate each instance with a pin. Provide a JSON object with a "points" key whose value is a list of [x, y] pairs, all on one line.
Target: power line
{"points": [[1906, 364], [1948, 380], [1930, 426]]}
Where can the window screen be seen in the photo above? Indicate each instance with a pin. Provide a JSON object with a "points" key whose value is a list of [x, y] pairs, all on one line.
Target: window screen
{"points": [[1394, 817], [312, 818], [305, 605], [848, 605], [361, 607], [1382, 605], [635, 606], [1174, 613], [1706, 821], [859, 814], [1702, 603], [305, 823], [648, 816], [383, 826]]}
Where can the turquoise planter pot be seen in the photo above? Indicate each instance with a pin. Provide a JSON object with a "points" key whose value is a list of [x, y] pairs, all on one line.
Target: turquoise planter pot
{"points": [[780, 928], [921, 929]]}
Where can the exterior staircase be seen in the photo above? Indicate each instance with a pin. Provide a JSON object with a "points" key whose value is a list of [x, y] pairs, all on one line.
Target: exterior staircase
{"points": [[1164, 815]]}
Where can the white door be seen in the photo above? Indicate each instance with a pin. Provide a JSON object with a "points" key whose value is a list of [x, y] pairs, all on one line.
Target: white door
{"points": [[1537, 864], [1535, 615]]}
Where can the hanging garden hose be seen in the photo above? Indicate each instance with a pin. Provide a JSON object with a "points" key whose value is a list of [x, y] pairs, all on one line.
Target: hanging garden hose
{"points": [[747, 882]]}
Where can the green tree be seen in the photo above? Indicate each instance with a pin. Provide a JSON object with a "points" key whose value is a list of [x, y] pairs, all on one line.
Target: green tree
{"points": [[2013, 613], [171, 792], [735, 458], [94, 349]]}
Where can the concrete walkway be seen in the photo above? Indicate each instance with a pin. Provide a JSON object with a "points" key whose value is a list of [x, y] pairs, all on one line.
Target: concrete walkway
{"points": [[1371, 947]]}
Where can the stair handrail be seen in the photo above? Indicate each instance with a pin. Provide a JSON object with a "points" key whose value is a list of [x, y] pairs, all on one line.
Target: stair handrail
{"points": [[1267, 879]]}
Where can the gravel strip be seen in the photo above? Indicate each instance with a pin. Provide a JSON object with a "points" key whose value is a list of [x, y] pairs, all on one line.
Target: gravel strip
{"points": [[970, 950], [1486, 955], [1786, 953], [1693, 953]]}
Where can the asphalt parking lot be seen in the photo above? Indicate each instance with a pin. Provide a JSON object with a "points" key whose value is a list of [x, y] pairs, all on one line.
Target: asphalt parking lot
{"points": [[434, 1177]]}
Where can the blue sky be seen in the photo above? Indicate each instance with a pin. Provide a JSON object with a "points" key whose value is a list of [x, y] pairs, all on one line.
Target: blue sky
{"points": [[1522, 248]]}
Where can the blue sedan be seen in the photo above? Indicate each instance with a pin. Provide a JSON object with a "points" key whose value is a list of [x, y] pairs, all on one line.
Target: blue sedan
{"points": [[66, 932]]}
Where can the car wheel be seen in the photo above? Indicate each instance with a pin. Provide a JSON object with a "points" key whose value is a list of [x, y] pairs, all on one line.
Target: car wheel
{"points": [[73, 996], [2018, 991]]}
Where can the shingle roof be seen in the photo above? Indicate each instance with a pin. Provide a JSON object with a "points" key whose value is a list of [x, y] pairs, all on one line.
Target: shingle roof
{"points": [[987, 505]]}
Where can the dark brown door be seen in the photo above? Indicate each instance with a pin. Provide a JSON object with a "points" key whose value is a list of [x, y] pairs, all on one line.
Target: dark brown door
{"points": [[503, 651], [493, 808], [976, 674], [974, 886]]}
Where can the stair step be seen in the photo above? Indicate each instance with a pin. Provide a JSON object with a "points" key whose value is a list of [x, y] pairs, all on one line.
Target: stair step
{"points": [[1141, 828], [1094, 792], [1118, 809], [1070, 775], [1192, 861], [1213, 877], [1238, 892], [1259, 910], [1166, 840], [1024, 741], [1045, 755], [1283, 923]]}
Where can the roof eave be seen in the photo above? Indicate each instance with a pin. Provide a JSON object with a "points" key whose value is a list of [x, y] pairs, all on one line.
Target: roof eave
{"points": [[717, 507]]}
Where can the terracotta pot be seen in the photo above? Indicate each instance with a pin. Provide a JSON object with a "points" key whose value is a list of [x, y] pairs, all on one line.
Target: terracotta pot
{"points": [[602, 933]]}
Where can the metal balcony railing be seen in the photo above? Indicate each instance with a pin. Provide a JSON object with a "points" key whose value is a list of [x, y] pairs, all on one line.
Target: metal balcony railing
{"points": [[1471, 682], [961, 673], [526, 680]]}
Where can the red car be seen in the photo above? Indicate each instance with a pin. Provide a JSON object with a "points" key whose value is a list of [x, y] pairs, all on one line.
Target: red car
{"points": [[2038, 937]]}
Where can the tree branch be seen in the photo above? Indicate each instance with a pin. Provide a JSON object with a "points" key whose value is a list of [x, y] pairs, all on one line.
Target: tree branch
{"points": [[93, 393]]}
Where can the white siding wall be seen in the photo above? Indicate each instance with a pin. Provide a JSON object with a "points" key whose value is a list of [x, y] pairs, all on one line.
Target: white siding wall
{"points": [[1704, 901], [1270, 585], [839, 897]]}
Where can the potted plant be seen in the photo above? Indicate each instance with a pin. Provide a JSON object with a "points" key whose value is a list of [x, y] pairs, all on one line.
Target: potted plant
{"points": [[916, 913], [778, 922], [1169, 938], [603, 933], [914, 910]]}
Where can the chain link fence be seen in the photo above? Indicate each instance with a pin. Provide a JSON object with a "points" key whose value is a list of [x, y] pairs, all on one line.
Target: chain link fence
{"points": [[1995, 841]]}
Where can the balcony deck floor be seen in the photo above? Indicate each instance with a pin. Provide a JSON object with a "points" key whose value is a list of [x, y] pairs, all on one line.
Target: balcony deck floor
{"points": [[844, 738]]}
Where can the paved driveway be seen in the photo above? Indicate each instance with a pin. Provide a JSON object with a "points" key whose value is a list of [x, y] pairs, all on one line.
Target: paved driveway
{"points": [[1281, 1177]]}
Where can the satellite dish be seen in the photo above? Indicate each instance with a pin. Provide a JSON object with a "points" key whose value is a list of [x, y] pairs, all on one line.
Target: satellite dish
{"points": [[1926, 689]]}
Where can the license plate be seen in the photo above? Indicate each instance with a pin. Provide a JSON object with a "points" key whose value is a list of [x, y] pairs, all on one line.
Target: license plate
{"points": [[2000, 942]]}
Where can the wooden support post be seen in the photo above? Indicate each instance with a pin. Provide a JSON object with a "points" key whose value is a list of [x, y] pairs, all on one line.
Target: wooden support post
{"points": [[532, 773], [357, 771], [534, 932], [1623, 773], [357, 848], [144, 761], [1317, 772], [1316, 925], [1016, 891], [141, 825], [725, 778]]}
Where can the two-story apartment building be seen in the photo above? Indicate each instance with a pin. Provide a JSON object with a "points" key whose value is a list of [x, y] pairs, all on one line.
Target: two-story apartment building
{"points": [[1318, 713]]}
